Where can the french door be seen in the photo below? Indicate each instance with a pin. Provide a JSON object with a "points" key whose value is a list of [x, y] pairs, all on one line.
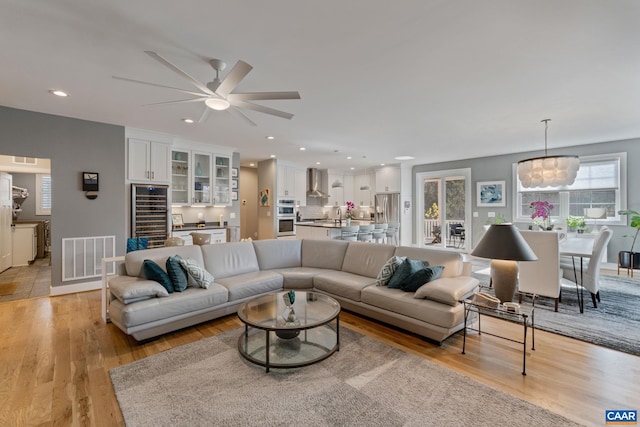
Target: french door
{"points": [[443, 208]]}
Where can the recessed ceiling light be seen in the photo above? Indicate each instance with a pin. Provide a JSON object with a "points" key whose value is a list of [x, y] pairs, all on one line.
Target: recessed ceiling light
{"points": [[352, 168], [58, 92], [348, 157], [381, 164], [271, 137], [273, 156], [317, 163], [302, 148], [405, 158], [190, 121], [252, 164]]}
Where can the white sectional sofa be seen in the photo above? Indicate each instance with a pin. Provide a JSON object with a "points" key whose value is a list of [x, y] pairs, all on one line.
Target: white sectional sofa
{"points": [[346, 271]]}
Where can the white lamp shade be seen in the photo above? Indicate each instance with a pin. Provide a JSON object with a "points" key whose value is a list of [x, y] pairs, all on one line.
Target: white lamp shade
{"points": [[548, 171]]}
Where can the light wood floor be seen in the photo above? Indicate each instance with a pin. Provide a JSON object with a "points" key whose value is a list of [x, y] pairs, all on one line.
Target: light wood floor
{"points": [[55, 356]]}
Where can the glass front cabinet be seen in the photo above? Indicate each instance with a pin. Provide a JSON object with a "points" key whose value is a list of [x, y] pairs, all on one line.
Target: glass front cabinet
{"points": [[180, 173], [199, 178], [222, 195]]}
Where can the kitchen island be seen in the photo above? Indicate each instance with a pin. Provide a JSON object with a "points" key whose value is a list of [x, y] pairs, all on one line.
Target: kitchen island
{"points": [[327, 229]]}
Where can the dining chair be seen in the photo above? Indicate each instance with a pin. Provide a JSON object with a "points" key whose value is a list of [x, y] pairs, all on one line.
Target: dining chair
{"points": [[174, 241], [365, 233], [456, 234], [544, 276], [201, 238], [591, 268], [349, 233], [380, 232]]}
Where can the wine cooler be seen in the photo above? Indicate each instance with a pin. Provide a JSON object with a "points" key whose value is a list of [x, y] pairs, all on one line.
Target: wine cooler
{"points": [[150, 213]]}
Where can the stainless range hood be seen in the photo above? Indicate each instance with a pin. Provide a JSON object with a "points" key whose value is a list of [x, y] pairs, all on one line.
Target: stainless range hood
{"points": [[314, 183]]}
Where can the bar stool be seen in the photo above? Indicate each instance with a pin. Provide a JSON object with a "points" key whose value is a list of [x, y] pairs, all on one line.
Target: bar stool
{"points": [[392, 232], [365, 233], [174, 241], [380, 232], [201, 238], [349, 233]]}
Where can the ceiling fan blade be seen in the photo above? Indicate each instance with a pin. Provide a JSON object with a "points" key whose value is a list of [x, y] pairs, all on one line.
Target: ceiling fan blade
{"points": [[177, 70], [158, 85], [255, 96], [182, 101], [205, 115], [235, 76], [236, 112], [263, 109]]}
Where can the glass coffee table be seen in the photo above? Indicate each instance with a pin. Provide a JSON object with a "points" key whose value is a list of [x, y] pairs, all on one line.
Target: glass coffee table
{"points": [[275, 336]]}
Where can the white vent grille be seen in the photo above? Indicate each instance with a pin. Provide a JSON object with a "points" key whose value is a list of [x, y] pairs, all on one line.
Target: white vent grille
{"points": [[82, 256]]}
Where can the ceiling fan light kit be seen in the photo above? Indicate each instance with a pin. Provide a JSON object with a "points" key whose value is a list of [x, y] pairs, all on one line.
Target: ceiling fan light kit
{"points": [[217, 104], [548, 171]]}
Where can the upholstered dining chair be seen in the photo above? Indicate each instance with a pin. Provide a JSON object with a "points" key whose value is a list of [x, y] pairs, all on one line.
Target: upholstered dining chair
{"points": [[174, 241], [590, 268], [201, 238], [544, 276]]}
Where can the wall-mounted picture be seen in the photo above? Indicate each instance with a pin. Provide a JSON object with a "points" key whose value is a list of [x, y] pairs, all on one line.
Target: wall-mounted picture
{"points": [[234, 196], [491, 194], [234, 172], [234, 183], [89, 181], [264, 199]]}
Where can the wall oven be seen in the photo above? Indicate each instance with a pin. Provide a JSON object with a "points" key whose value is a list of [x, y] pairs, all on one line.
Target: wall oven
{"points": [[286, 218]]}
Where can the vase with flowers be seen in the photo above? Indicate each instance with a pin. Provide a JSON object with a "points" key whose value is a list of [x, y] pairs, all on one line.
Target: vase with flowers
{"points": [[349, 214], [541, 215]]}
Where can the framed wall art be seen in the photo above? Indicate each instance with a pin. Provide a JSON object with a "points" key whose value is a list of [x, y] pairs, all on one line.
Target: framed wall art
{"points": [[491, 194]]}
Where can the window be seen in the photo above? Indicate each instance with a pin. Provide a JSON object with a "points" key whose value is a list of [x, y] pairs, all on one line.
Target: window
{"points": [[43, 194], [600, 183]]}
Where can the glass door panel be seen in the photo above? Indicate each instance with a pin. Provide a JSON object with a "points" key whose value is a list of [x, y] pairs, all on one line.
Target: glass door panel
{"points": [[222, 194], [202, 178], [180, 172]]}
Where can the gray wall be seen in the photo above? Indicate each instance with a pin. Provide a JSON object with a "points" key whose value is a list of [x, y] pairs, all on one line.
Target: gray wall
{"points": [[500, 168], [73, 146], [28, 181]]}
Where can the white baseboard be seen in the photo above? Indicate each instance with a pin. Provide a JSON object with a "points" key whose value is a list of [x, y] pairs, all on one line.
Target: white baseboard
{"points": [[77, 287]]}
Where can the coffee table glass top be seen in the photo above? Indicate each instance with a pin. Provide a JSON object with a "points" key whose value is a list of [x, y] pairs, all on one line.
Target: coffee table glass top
{"points": [[311, 309]]}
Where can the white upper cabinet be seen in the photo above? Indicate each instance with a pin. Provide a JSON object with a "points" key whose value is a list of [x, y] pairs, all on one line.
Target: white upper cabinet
{"points": [[336, 194], [202, 182], [180, 177], [301, 187], [363, 189], [222, 193], [387, 179], [347, 189], [148, 161], [286, 181]]}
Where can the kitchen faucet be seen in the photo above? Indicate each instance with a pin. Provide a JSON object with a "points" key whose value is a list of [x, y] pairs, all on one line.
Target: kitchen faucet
{"points": [[339, 213]]}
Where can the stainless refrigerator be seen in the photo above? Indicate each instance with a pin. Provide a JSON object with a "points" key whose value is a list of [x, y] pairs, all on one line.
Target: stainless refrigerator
{"points": [[387, 208]]}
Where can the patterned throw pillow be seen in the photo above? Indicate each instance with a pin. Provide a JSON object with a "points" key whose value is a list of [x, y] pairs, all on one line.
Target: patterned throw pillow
{"points": [[153, 271], [421, 277], [177, 274], [387, 270], [404, 271], [197, 272]]}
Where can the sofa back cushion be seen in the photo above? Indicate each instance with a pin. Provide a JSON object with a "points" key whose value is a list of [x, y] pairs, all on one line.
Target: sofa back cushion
{"points": [[230, 259], [273, 253], [323, 253], [451, 261], [133, 260], [366, 259]]}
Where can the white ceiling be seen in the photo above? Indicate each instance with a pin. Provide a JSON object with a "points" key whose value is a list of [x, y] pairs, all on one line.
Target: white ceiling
{"points": [[435, 79]]}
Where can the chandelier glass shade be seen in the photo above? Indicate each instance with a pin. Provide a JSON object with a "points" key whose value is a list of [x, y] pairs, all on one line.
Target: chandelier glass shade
{"points": [[548, 171]]}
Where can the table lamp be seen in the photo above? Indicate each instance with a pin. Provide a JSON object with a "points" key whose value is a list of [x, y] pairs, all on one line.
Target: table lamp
{"points": [[504, 245], [595, 214]]}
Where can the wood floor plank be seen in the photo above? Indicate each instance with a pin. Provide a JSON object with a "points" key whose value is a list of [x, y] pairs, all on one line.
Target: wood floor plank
{"points": [[55, 361]]}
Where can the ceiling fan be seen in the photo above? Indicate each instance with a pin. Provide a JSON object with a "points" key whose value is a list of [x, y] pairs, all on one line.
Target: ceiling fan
{"points": [[218, 94]]}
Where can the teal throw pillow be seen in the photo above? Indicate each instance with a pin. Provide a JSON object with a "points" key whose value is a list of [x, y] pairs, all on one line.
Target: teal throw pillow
{"points": [[197, 272], [406, 269], [421, 277], [387, 270], [153, 271], [177, 274]]}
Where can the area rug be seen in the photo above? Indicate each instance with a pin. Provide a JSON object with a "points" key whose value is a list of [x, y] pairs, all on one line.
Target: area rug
{"points": [[366, 383], [8, 288], [614, 324]]}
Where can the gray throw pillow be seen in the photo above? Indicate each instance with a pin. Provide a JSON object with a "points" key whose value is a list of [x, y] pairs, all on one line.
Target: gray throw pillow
{"points": [[387, 270], [406, 269], [199, 274]]}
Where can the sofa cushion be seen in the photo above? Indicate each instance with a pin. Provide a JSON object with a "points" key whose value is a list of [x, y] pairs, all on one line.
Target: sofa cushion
{"points": [[327, 254], [230, 259], [366, 259], [133, 260], [450, 260], [251, 284], [203, 278], [398, 301], [340, 283], [387, 270], [274, 253], [127, 288], [448, 290], [177, 273], [153, 271], [405, 270], [421, 277], [299, 277]]}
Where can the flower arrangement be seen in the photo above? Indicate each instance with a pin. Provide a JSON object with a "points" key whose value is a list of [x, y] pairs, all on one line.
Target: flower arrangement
{"points": [[350, 208], [541, 213]]}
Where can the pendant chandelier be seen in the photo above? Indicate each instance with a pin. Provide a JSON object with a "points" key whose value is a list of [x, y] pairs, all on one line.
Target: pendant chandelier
{"points": [[548, 171]]}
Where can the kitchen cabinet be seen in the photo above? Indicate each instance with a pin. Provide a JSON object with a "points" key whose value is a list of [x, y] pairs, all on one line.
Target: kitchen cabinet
{"points": [[286, 181], [202, 190], [222, 189], [218, 235], [200, 178], [317, 233], [336, 194], [25, 244], [180, 177], [387, 179], [301, 187], [362, 195], [148, 161]]}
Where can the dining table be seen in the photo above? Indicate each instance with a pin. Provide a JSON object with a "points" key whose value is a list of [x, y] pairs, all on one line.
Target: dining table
{"points": [[577, 248]]}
